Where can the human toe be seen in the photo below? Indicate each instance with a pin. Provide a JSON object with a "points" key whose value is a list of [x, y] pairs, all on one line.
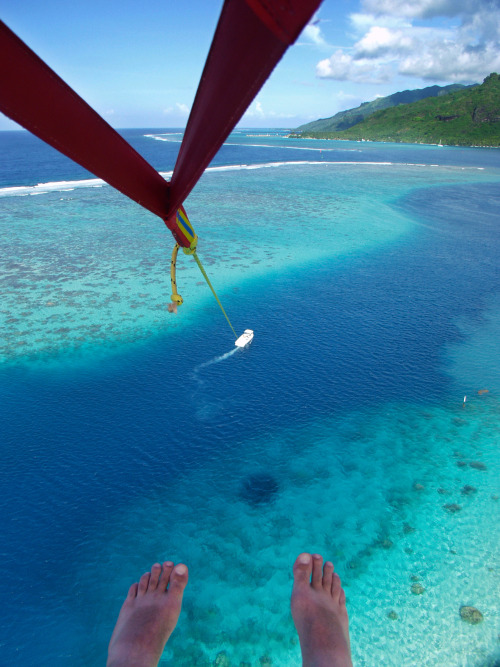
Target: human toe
{"points": [[336, 588], [178, 579], [165, 575], [132, 592], [143, 583], [302, 569], [317, 571], [327, 576], [154, 577]]}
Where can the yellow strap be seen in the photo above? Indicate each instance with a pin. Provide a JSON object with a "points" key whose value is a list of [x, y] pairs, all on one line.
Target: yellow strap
{"points": [[213, 291], [175, 296]]}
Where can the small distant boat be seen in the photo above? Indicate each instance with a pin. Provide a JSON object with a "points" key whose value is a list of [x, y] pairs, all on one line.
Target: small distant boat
{"points": [[245, 339]]}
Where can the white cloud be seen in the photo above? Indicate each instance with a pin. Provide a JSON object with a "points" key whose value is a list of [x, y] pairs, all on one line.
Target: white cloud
{"points": [[178, 110], [379, 41], [343, 67], [362, 23], [258, 112], [312, 33], [424, 9], [348, 98], [462, 46], [451, 62]]}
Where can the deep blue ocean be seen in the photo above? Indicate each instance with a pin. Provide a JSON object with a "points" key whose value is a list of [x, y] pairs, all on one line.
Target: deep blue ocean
{"points": [[370, 275]]}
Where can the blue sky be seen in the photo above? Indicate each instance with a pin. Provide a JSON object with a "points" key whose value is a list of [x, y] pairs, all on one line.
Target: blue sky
{"points": [[138, 63]]}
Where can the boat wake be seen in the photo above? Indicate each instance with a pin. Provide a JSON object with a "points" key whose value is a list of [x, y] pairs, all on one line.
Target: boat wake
{"points": [[207, 410], [216, 360]]}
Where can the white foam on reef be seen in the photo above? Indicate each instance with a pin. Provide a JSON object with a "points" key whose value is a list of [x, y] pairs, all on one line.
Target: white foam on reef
{"points": [[164, 135], [286, 163], [298, 148], [66, 186], [53, 186], [269, 165]]}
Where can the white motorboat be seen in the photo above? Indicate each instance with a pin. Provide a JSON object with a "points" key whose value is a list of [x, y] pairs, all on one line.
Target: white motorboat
{"points": [[245, 339]]}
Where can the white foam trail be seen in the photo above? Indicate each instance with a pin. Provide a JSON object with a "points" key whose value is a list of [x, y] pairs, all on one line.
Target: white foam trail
{"points": [[217, 360]]}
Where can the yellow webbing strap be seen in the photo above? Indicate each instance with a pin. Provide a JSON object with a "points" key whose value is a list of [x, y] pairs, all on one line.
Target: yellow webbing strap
{"points": [[175, 296], [213, 291]]}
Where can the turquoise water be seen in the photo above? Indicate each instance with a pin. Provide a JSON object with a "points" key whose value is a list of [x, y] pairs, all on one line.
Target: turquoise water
{"points": [[369, 273]]}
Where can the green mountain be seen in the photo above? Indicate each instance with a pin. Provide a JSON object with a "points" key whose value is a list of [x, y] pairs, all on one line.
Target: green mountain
{"points": [[469, 117], [345, 119]]}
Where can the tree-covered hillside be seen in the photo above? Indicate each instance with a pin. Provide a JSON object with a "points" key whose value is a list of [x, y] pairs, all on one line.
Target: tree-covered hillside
{"points": [[469, 117], [345, 119]]}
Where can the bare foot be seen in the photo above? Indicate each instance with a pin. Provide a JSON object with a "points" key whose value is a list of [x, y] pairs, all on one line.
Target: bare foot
{"points": [[320, 614], [148, 617]]}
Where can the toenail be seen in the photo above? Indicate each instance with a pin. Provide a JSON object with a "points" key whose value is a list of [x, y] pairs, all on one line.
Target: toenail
{"points": [[180, 569], [305, 559]]}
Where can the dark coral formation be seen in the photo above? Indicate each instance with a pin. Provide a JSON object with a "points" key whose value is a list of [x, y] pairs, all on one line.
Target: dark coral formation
{"points": [[452, 508], [259, 489], [222, 660], [471, 615], [477, 465]]}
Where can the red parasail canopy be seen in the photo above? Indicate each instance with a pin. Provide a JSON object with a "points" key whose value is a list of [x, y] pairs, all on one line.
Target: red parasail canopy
{"points": [[250, 39]]}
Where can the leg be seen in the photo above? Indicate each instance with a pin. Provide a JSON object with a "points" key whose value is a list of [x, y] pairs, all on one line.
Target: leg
{"points": [[148, 617], [320, 614]]}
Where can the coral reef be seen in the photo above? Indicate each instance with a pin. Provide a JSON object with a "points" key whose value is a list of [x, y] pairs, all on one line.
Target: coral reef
{"points": [[452, 508], [471, 615], [259, 489]]}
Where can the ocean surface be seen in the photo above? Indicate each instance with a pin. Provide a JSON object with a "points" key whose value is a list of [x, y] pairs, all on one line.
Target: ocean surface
{"points": [[363, 422]]}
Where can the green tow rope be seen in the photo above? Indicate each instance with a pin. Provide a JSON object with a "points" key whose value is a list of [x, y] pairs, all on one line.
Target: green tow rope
{"points": [[213, 291]]}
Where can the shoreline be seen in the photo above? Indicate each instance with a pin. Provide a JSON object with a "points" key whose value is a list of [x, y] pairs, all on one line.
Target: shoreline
{"points": [[381, 141]]}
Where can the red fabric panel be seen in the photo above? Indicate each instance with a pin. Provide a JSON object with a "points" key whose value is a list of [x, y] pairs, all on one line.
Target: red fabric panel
{"points": [[244, 52], [250, 39], [285, 18], [39, 100]]}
